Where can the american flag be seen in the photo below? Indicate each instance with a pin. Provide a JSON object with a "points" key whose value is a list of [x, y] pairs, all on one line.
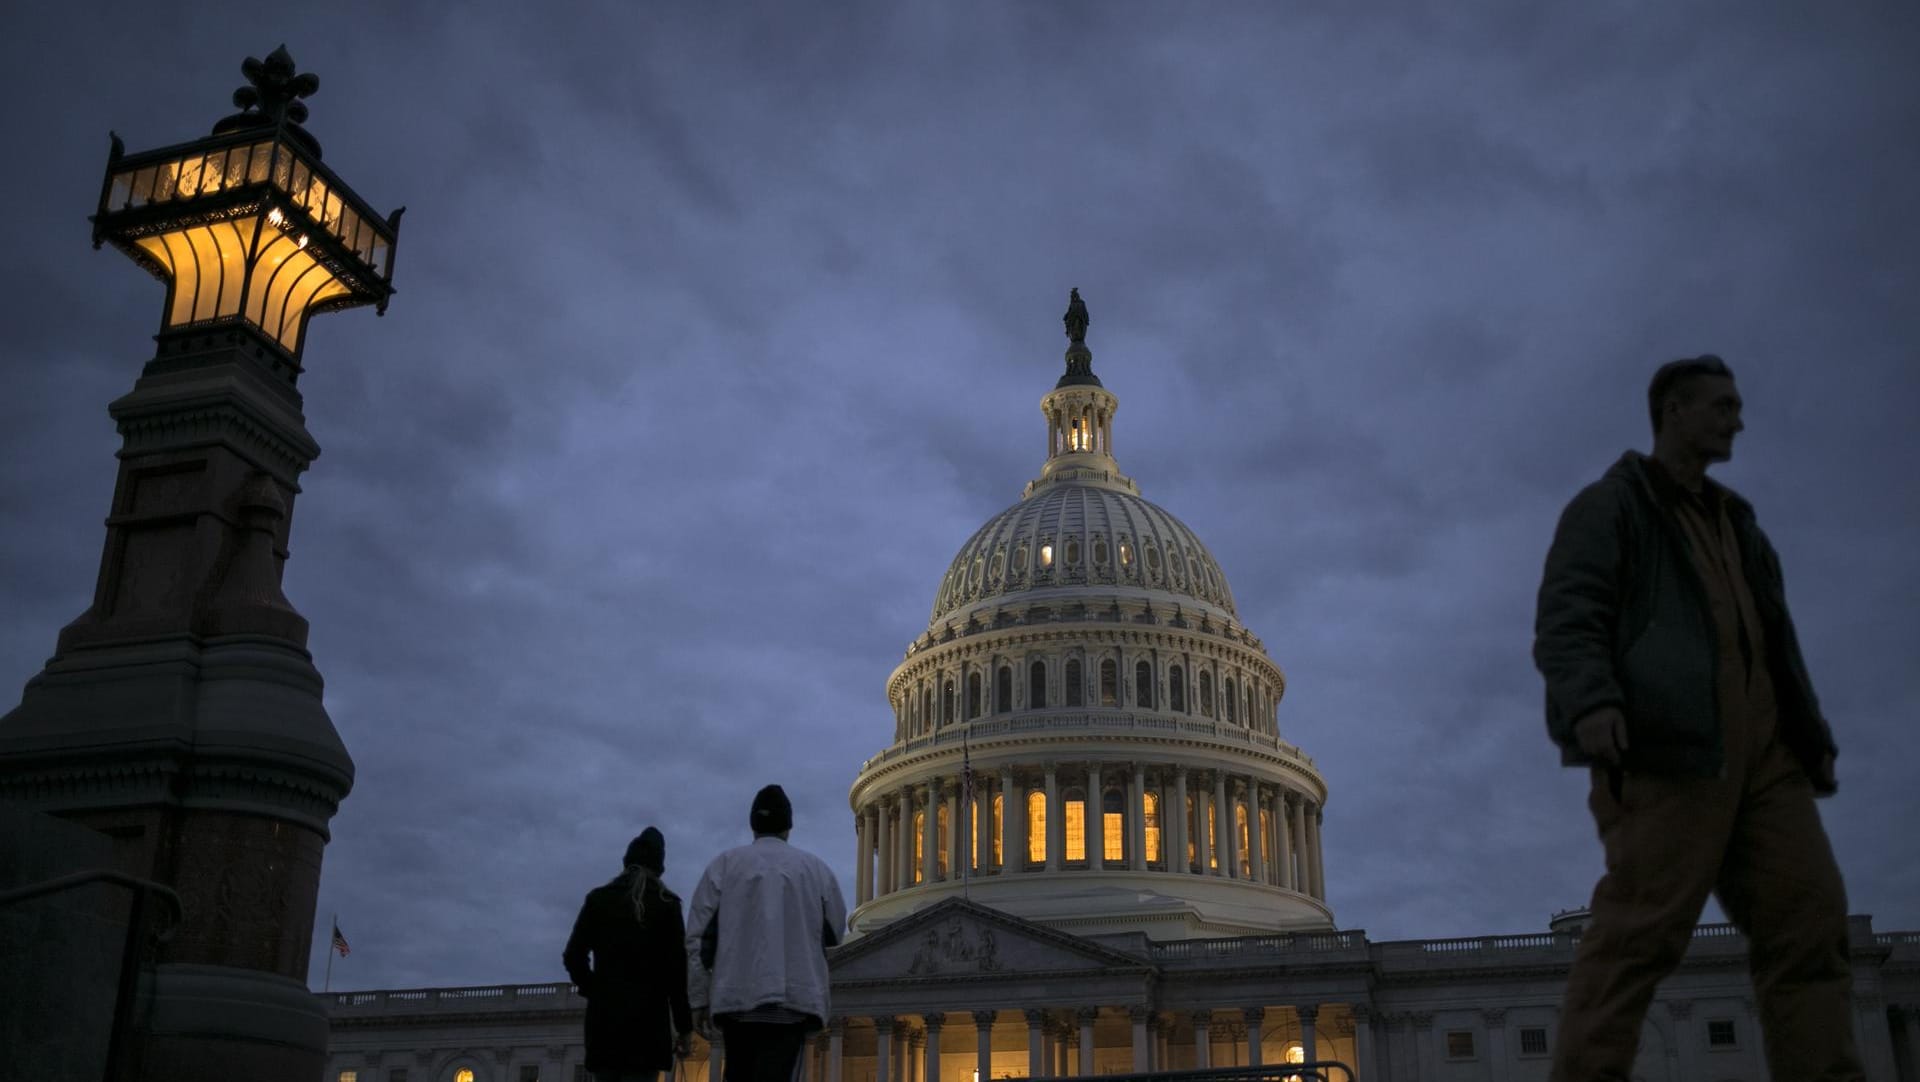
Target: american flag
{"points": [[340, 941]]}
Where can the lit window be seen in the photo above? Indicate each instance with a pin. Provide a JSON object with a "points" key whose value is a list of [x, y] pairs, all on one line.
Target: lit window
{"points": [[1240, 827], [1533, 1041], [349, 1076], [1046, 555], [1113, 826], [1036, 827], [1076, 810], [1720, 1033], [464, 1074], [1460, 1044], [997, 812], [1126, 554], [919, 843], [1152, 823], [1213, 836], [941, 830]]}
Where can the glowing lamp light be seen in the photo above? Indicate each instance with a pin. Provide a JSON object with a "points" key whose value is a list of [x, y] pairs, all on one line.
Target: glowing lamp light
{"points": [[246, 226]]}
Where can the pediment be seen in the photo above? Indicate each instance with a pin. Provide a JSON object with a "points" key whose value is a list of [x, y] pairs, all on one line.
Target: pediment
{"points": [[957, 938]]}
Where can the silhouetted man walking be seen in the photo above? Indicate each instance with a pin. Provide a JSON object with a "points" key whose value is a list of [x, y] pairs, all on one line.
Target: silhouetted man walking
{"points": [[1673, 673], [757, 932]]}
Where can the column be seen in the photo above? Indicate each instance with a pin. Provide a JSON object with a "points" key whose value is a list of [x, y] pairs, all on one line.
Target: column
{"points": [[903, 837], [1496, 1023], [836, 1050], [1137, 820], [1013, 826], [1424, 1058], [1319, 871], [1282, 842], [1202, 1040], [884, 884], [1177, 852], [1253, 1016], [983, 1044], [862, 859], [1309, 1014], [933, 1023], [1056, 819], [1302, 881], [910, 1062], [929, 831], [1225, 836], [1062, 1050], [1036, 1045], [957, 855], [1087, 1017], [1096, 821], [882, 1050], [1363, 1041], [1256, 837], [1142, 1050]]}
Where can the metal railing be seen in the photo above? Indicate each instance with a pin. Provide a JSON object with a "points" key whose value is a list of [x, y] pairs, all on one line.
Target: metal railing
{"points": [[119, 1042], [1316, 1071]]}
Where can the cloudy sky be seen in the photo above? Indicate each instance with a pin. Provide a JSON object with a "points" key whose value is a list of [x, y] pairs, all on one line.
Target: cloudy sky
{"points": [[720, 328]]}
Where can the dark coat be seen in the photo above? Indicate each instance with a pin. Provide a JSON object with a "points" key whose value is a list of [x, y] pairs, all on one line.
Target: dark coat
{"points": [[634, 976], [1623, 621]]}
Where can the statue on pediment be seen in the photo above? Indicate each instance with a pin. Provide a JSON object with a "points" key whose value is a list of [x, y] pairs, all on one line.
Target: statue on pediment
{"points": [[955, 949]]}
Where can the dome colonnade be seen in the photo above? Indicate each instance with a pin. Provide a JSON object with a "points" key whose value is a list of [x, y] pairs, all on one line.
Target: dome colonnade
{"points": [[1086, 709]]}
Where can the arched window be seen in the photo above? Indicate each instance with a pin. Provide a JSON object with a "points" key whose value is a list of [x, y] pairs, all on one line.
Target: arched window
{"points": [[1143, 685], [1113, 826], [1076, 689], [1268, 850], [1151, 821], [919, 843], [1245, 851], [1206, 692], [1003, 689], [942, 833], [1109, 683], [946, 702], [973, 695], [1036, 826], [999, 809], [1214, 837], [1232, 697], [1037, 686], [1074, 805], [1177, 689]]}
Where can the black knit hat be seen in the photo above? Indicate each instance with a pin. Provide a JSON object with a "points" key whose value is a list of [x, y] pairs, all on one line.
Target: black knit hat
{"points": [[772, 811], [649, 851]]}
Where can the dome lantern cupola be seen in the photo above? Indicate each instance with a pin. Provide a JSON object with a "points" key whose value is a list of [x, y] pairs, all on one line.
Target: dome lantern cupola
{"points": [[1079, 413]]}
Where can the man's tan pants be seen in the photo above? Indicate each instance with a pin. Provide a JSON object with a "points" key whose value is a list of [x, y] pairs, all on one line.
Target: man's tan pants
{"points": [[1755, 841]]}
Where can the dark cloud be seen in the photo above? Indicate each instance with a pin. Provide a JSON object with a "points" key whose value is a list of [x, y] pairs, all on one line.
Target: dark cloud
{"points": [[720, 330]]}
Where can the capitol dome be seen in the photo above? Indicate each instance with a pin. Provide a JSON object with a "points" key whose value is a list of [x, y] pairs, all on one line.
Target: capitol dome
{"points": [[1085, 734]]}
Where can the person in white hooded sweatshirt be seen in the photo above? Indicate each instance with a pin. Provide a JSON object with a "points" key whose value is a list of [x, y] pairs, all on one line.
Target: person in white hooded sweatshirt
{"points": [[758, 928]]}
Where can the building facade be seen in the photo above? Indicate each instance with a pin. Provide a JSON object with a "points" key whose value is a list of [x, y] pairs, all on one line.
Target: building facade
{"points": [[1088, 849]]}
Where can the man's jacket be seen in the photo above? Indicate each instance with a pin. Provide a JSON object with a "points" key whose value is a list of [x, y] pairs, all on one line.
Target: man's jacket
{"points": [[1623, 621], [758, 928]]}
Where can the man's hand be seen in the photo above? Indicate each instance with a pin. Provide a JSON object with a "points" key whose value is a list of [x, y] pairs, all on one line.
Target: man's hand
{"points": [[703, 1023], [1602, 734]]}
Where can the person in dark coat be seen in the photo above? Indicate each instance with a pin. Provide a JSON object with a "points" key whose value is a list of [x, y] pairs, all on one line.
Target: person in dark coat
{"points": [[1674, 675], [628, 957]]}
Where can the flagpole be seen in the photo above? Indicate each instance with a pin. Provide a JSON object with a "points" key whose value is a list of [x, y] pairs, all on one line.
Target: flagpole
{"points": [[335, 921]]}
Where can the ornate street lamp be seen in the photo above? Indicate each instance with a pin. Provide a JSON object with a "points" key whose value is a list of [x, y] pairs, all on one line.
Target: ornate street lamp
{"points": [[246, 226], [178, 739]]}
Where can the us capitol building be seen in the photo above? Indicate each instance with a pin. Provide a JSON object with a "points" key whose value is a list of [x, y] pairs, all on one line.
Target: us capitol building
{"points": [[1090, 849]]}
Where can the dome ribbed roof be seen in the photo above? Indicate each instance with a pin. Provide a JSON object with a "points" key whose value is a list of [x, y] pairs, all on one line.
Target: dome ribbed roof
{"points": [[1081, 535]]}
